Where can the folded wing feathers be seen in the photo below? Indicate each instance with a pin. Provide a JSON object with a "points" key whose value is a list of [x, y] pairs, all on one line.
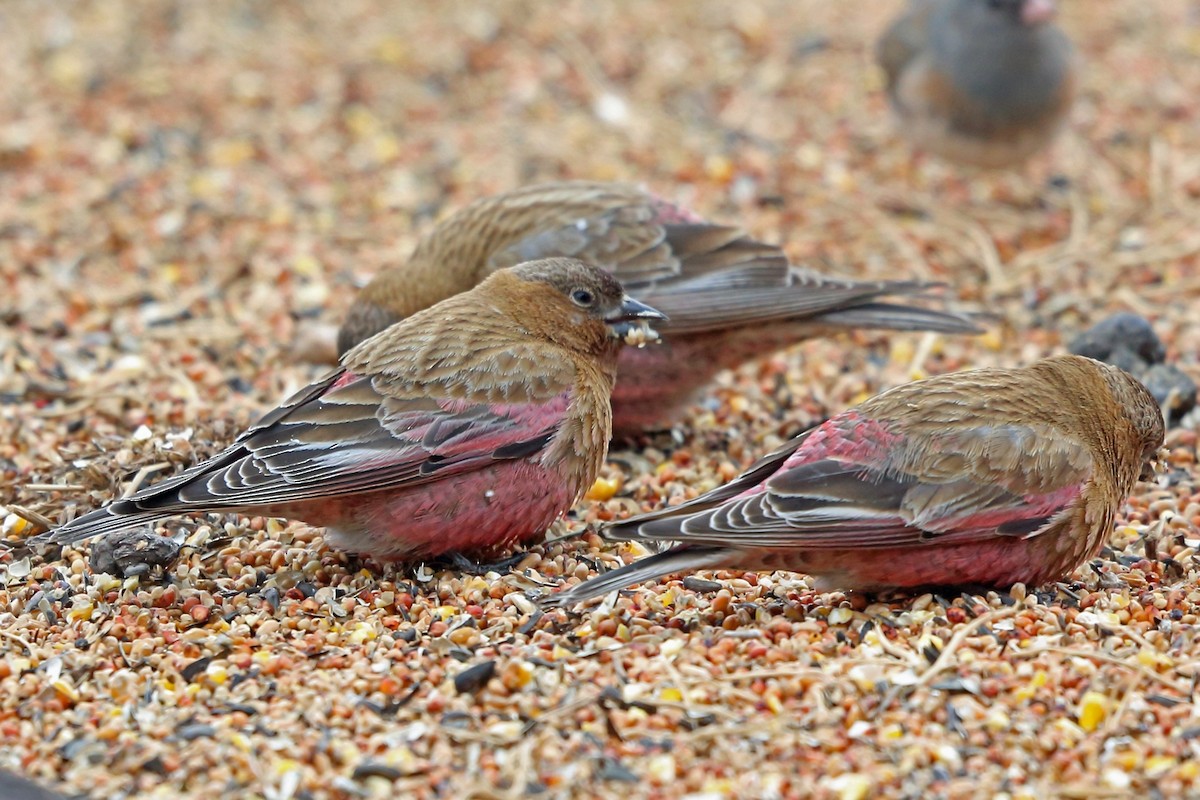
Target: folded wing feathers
{"points": [[831, 503], [349, 441]]}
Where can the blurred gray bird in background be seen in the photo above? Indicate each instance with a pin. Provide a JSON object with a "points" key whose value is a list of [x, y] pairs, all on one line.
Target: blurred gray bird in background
{"points": [[980, 82]]}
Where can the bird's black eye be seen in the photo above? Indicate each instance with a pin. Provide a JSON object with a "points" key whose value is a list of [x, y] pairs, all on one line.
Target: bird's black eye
{"points": [[582, 297]]}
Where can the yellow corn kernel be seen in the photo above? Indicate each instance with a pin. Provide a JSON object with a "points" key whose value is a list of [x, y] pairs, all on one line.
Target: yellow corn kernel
{"points": [[603, 489], [1093, 708]]}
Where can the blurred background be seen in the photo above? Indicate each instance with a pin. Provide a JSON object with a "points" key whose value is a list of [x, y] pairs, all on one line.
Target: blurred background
{"points": [[156, 148]]}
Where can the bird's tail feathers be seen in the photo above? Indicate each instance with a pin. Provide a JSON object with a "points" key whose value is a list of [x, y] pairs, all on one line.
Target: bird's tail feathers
{"points": [[113, 517], [681, 559], [903, 318]]}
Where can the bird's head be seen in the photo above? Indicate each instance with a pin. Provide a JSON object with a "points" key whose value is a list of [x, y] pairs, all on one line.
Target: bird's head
{"points": [[1030, 13], [1109, 409], [572, 304], [1143, 413]]}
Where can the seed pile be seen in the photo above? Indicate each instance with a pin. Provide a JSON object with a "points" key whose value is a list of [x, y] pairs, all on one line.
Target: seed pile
{"points": [[189, 195]]}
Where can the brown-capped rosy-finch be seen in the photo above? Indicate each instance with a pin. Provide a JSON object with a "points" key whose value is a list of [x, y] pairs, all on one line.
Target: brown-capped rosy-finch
{"points": [[991, 476], [728, 298], [981, 82], [469, 425]]}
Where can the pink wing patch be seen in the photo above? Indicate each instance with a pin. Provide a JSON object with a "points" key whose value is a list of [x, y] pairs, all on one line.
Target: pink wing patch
{"points": [[839, 488], [347, 377], [667, 213], [847, 437], [471, 429]]}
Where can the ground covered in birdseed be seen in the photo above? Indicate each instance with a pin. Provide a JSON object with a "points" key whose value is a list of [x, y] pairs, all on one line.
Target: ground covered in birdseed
{"points": [[190, 194]]}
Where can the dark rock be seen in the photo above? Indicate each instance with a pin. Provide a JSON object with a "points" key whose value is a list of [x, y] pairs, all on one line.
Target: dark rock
{"points": [[695, 584], [1123, 357], [133, 552], [472, 679], [1106, 339], [373, 769], [1171, 387]]}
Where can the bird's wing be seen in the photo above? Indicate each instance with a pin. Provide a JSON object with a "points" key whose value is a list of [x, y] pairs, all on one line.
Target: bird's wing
{"points": [[1026, 459], [447, 351], [701, 275], [904, 40], [343, 436], [748, 295], [615, 226], [873, 493], [643, 240]]}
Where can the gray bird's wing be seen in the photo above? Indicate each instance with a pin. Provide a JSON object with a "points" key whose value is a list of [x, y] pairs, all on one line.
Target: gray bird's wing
{"points": [[904, 40]]}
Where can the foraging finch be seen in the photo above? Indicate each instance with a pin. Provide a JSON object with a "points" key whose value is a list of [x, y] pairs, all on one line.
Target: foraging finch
{"points": [[990, 476], [728, 298], [472, 424], [981, 82]]}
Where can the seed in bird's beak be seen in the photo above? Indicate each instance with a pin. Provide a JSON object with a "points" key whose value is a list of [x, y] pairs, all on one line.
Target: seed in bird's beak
{"points": [[631, 322], [639, 334], [1156, 468]]}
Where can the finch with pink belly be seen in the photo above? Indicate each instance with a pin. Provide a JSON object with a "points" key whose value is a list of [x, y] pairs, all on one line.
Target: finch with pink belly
{"points": [[990, 476], [728, 297], [473, 424]]}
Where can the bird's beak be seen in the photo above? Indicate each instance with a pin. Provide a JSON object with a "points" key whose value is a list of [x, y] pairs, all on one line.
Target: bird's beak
{"points": [[631, 321], [632, 310], [1038, 12], [1155, 468]]}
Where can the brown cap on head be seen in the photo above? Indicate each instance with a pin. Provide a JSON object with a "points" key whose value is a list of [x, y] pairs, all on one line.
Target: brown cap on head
{"points": [[1127, 425], [570, 274], [581, 306], [1140, 407]]}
